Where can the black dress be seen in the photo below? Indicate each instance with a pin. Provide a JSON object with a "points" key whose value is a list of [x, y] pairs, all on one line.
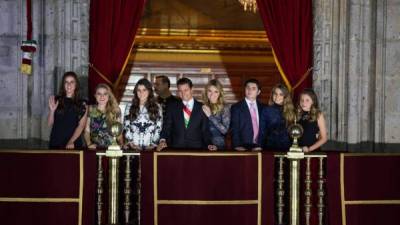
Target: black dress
{"points": [[274, 134], [311, 130], [65, 123]]}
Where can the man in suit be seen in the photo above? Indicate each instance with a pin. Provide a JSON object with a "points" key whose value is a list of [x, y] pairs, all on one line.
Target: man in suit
{"points": [[245, 117], [185, 124], [164, 95]]}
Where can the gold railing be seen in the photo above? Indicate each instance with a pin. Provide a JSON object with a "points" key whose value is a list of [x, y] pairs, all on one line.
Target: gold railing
{"points": [[114, 187], [295, 181], [286, 166]]}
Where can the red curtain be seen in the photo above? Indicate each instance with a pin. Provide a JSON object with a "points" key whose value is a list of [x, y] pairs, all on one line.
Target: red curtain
{"points": [[288, 24], [113, 26]]}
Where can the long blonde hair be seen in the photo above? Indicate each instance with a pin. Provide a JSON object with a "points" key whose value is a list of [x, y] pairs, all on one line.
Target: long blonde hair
{"points": [[314, 110], [215, 107], [288, 107], [113, 112]]}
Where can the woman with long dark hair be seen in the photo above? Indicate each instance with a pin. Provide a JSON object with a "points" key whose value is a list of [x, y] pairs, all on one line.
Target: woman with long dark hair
{"points": [[143, 124], [67, 115]]}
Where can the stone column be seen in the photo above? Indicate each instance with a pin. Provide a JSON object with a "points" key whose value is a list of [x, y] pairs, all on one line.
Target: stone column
{"points": [[13, 85], [387, 98], [352, 70]]}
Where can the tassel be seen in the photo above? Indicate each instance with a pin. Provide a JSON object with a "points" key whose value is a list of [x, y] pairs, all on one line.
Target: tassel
{"points": [[28, 48]]}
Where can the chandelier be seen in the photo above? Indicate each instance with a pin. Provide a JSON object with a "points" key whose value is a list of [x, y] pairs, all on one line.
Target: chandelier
{"points": [[250, 5]]}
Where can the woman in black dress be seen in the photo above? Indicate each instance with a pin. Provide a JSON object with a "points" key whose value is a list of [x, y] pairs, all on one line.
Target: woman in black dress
{"points": [[275, 119], [67, 115], [312, 120]]}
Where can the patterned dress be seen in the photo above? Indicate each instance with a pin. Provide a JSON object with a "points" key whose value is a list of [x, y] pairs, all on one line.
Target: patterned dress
{"points": [[219, 126], [99, 131], [142, 131]]}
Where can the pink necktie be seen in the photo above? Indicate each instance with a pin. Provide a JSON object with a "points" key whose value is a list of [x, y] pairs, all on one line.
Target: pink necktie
{"points": [[253, 113]]}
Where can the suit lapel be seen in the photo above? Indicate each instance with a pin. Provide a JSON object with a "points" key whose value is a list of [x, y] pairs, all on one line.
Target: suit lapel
{"points": [[259, 109], [195, 111], [246, 110], [181, 119]]}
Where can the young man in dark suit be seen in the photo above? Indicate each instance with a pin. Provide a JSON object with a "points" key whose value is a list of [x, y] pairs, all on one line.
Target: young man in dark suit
{"points": [[245, 117], [185, 125]]}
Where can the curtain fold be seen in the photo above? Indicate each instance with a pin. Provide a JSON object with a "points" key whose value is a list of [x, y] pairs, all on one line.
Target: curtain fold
{"points": [[288, 24], [113, 26]]}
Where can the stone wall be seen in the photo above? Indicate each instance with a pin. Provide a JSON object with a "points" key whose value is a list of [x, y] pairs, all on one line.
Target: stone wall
{"points": [[61, 29], [357, 74]]}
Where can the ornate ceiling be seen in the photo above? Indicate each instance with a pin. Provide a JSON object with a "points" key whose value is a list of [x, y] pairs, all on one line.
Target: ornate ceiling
{"points": [[196, 14]]}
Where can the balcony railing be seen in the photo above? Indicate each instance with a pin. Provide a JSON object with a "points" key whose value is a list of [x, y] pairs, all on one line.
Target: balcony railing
{"points": [[236, 188], [292, 175]]}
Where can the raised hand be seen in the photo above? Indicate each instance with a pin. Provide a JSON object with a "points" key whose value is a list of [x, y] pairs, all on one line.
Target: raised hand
{"points": [[53, 103]]}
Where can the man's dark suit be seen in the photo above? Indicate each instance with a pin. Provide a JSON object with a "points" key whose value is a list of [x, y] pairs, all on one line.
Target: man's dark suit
{"points": [[195, 136], [241, 125]]}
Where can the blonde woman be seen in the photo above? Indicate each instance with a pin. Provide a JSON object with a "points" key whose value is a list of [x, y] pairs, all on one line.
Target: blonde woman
{"points": [[217, 111], [275, 119], [101, 116]]}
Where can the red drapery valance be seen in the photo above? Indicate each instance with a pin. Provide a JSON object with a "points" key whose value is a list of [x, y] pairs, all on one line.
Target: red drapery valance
{"points": [[288, 24], [113, 26]]}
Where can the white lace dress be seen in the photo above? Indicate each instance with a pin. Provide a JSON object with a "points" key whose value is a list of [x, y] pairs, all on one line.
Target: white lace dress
{"points": [[142, 131]]}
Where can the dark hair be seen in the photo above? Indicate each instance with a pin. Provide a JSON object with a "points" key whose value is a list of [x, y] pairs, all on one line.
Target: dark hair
{"points": [[77, 102], [253, 81], [151, 103], [183, 81], [61, 90], [164, 80]]}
